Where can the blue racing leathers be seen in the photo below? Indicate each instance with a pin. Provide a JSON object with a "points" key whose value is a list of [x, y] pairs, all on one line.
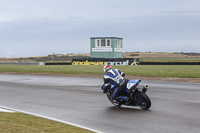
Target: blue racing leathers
{"points": [[115, 80]]}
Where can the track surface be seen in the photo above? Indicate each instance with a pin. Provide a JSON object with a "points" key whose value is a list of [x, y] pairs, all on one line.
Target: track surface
{"points": [[175, 106]]}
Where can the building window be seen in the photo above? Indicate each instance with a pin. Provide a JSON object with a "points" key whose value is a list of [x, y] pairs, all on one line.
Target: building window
{"points": [[103, 43], [98, 43], [118, 43], [108, 43]]}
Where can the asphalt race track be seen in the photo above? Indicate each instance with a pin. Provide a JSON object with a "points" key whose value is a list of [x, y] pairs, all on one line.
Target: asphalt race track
{"points": [[175, 106]]}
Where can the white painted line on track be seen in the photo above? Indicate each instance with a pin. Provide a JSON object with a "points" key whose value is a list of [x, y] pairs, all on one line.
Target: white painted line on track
{"points": [[6, 110], [50, 118]]}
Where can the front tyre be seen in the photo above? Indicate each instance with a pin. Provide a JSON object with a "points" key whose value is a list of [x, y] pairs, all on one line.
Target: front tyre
{"points": [[143, 100], [117, 104]]}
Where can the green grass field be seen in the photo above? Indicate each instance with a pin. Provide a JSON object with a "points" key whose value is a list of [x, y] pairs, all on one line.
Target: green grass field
{"points": [[23, 123], [182, 71]]}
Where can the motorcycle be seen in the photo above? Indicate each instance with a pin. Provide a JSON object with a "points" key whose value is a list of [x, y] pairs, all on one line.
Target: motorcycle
{"points": [[138, 96]]}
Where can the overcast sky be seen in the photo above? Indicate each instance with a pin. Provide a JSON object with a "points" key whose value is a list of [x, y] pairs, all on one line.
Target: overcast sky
{"points": [[43, 27]]}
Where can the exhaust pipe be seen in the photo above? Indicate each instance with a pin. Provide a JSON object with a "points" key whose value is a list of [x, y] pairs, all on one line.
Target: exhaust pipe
{"points": [[145, 88]]}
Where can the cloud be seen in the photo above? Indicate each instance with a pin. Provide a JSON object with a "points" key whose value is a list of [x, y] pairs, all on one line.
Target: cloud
{"points": [[43, 26]]}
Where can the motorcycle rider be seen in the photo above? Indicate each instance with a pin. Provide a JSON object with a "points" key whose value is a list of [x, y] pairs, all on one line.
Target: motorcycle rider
{"points": [[115, 79]]}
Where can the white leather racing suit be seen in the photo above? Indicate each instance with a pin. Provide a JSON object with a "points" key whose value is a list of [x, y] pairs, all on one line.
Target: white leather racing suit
{"points": [[115, 79]]}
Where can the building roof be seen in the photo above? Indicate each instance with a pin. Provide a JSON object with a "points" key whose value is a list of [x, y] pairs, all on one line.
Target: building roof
{"points": [[106, 38]]}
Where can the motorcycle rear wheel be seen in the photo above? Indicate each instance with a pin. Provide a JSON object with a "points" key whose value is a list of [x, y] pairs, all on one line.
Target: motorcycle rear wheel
{"points": [[143, 100]]}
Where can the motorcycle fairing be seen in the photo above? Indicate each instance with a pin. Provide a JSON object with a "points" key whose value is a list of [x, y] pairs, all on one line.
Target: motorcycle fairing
{"points": [[132, 84]]}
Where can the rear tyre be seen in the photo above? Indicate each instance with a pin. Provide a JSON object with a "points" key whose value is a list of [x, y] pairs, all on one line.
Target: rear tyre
{"points": [[117, 104], [143, 100]]}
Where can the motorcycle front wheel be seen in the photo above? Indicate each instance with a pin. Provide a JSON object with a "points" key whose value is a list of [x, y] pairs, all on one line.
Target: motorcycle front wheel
{"points": [[143, 100], [117, 104]]}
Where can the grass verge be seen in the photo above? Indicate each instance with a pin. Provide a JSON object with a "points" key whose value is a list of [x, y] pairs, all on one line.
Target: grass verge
{"points": [[182, 71], [23, 123], [170, 60]]}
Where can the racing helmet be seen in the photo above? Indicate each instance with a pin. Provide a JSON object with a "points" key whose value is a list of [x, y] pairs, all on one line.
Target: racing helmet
{"points": [[106, 68]]}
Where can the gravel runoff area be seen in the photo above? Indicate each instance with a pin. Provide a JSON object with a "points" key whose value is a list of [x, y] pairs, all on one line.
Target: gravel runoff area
{"points": [[168, 79]]}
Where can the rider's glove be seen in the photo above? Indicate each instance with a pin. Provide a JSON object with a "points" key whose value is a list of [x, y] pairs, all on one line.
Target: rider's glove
{"points": [[105, 87]]}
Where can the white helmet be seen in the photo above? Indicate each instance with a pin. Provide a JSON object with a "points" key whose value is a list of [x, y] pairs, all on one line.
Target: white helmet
{"points": [[106, 68]]}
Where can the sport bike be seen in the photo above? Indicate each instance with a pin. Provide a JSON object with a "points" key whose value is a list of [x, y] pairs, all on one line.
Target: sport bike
{"points": [[138, 96]]}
